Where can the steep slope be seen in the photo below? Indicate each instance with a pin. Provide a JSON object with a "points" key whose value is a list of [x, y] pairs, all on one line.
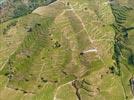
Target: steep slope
{"points": [[68, 50], [10, 9], [124, 50]]}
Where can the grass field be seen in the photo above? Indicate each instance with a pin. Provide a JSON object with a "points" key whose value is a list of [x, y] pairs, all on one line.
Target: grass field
{"points": [[41, 53]]}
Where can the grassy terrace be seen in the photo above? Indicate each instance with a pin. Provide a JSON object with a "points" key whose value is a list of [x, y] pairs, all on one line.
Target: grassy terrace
{"points": [[40, 52], [123, 47]]}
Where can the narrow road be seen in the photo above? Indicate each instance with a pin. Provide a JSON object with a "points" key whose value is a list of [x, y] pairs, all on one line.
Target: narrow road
{"points": [[56, 92]]}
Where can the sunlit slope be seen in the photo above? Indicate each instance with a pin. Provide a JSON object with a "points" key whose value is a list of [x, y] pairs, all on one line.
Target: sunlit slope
{"points": [[46, 54]]}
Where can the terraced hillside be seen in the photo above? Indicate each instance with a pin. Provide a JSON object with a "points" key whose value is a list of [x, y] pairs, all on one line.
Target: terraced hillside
{"points": [[67, 50]]}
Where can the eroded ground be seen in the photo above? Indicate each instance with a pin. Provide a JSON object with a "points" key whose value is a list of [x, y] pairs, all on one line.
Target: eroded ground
{"points": [[68, 50]]}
